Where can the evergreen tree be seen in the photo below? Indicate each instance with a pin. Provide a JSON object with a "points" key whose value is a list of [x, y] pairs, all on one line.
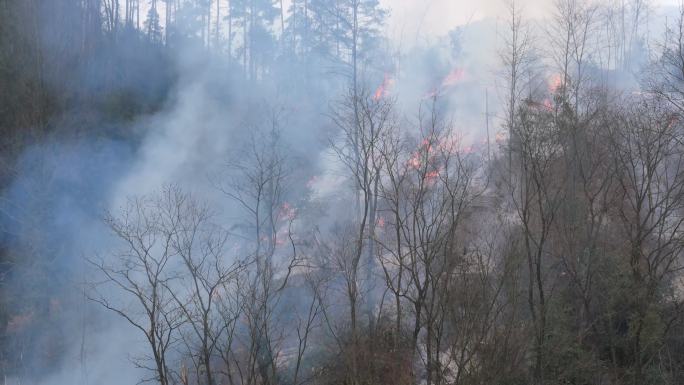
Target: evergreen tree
{"points": [[153, 26]]}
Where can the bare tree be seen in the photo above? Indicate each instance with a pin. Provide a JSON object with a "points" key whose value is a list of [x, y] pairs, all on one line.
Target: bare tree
{"points": [[259, 183], [667, 76], [536, 195], [649, 158], [441, 189], [306, 325], [201, 247], [231, 308], [427, 187], [143, 271], [363, 121], [571, 48], [391, 254], [517, 59]]}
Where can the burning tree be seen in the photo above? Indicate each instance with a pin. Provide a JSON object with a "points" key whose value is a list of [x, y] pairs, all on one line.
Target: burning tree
{"points": [[259, 186]]}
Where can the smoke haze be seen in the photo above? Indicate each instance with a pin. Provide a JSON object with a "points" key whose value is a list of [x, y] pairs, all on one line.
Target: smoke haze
{"points": [[136, 113]]}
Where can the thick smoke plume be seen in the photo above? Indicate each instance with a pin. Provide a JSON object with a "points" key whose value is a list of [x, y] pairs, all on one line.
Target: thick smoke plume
{"points": [[263, 192]]}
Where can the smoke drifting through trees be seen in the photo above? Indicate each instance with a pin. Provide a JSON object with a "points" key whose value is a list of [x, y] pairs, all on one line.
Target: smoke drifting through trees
{"points": [[266, 192]]}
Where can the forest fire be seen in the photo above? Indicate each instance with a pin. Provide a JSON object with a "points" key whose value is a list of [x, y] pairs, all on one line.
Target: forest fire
{"points": [[213, 192], [431, 176], [425, 151], [427, 159], [287, 212], [383, 89], [555, 82], [415, 161], [545, 105], [454, 77]]}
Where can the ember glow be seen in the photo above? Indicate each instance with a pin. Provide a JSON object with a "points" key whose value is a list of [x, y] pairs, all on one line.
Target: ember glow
{"points": [[555, 83]]}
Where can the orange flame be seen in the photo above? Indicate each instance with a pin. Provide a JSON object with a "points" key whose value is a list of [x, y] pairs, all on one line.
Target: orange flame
{"points": [[454, 77], [383, 90], [555, 82]]}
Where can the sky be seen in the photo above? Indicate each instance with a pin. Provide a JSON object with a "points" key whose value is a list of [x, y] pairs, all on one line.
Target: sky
{"points": [[413, 20]]}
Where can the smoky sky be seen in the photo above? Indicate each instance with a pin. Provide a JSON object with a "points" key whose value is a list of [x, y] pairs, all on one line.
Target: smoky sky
{"points": [[414, 20]]}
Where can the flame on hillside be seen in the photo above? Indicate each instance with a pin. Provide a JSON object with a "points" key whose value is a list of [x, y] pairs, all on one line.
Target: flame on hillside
{"points": [[384, 88]]}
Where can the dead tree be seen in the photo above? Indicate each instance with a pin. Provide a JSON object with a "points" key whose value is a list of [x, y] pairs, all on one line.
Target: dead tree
{"points": [[667, 76], [536, 194], [571, 47], [649, 157], [306, 324], [259, 186], [202, 284], [142, 272], [517, 58], [391, 254], [427, 190], [363, 121]]}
